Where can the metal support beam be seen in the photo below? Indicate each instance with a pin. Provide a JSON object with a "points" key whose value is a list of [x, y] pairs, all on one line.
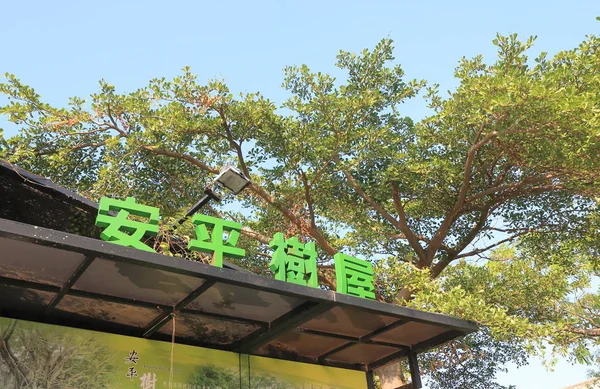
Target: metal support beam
{"points": [[29, 285], [360, 340], [418, 348], [386, 329], [115, 299], [370, 380], [363, 339], [413, 365], [436, 340], [72, 280], [157, 323], [165, 317], [80, 293], [324, 356], [289, 321], [124, 301], [223, 316]]}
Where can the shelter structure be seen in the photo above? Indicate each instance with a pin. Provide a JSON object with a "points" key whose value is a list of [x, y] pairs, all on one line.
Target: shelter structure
{"points": [[55, 270]]}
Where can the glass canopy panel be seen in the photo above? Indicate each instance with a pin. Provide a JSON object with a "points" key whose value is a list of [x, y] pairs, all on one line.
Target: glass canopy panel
{"points": [[362, 353], [244, 302], [410, 333], [136, 282], [108, 311], [348, 321], [207, 330], [21, 299], [30, 262], [302, 344]]}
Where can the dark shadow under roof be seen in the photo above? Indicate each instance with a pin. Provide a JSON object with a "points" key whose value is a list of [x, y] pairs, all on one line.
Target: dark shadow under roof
{"points": [[31, 199], [66, 279]]}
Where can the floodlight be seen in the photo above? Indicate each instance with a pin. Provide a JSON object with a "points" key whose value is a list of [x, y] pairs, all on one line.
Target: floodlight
{"points": [[232, 179]]}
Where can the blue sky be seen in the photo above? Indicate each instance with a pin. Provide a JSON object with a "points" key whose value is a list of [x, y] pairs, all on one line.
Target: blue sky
{"points": [[62, 49]]}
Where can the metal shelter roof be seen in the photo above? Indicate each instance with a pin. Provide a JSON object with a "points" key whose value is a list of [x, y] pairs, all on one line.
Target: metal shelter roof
{"points": [[66, 279]]}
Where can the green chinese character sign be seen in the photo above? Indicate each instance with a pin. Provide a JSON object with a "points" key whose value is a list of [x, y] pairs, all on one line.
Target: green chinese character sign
{"points": [[354, 276], [214, 242], [120, 229], [293, 261]]}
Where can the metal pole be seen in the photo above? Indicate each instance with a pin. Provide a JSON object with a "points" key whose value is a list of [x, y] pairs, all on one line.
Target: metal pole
{"points": [[209, 195], [370, 380], [413, 365]]}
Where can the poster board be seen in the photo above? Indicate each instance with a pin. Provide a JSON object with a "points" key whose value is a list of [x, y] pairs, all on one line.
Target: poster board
{"points": [[34, 355]]}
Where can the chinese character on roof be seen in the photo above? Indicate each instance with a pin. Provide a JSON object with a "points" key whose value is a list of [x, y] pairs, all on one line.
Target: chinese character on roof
{"points": [[354, 276], [120, 229], [215, 242], [293, 261]]}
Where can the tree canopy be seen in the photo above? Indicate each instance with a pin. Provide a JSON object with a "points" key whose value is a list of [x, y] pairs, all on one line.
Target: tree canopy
{"points": [[486, 209]]}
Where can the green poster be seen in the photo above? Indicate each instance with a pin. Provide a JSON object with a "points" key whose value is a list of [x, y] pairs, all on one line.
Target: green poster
{"points": [[282, 374], [34, 355]]}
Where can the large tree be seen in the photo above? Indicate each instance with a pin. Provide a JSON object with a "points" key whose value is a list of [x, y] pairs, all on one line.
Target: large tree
{"points": [[486, 209]]}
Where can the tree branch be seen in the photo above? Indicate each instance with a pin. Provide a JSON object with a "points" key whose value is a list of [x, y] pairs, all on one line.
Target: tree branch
{"points": [[308, 199], [403, 225], [236, 146], [593, 332], [269, 199], [16, 368], [442, 264], [314, 232], [247, 231], [73, 148], [185, 157], [496, 244], [442, 231], [479, 225], [509, 187], [255, 235], [376, 206]]}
